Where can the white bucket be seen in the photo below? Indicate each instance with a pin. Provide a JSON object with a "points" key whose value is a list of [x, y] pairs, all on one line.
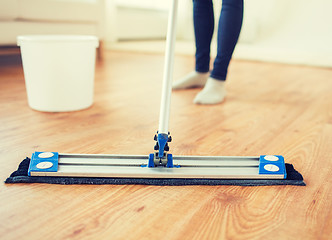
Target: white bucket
{"points": [[59, 71]]}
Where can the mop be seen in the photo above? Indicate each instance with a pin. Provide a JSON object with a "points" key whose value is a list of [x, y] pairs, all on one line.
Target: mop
{"points": [[160, 167]]}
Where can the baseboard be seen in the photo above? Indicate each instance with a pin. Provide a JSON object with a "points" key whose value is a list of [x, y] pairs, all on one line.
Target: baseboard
{"points": [[254, 52]]}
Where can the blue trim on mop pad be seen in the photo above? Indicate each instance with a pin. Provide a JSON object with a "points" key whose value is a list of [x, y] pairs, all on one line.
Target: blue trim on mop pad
{"points": [[44, 162], [272, 165]]}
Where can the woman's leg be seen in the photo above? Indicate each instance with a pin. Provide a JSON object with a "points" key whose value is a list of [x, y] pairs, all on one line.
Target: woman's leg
{"points": [[230, 24], [203, 28], [203, 17]]}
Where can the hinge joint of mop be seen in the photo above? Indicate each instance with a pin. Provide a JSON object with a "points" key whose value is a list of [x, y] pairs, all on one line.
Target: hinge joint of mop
{"points": [[161, 157]]}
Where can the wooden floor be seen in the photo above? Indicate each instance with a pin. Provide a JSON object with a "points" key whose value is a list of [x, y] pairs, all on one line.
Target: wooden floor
{"points": [[270, 109]]}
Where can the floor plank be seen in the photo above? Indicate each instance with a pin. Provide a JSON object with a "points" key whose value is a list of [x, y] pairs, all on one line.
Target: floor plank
{"points": [[270, 109]]}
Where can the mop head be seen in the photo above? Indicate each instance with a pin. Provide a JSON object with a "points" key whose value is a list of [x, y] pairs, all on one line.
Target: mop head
{"points": [[21, 176]]}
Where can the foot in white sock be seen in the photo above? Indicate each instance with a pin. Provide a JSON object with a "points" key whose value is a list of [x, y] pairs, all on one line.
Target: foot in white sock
{"points": [[192, 80], [213, 92]]}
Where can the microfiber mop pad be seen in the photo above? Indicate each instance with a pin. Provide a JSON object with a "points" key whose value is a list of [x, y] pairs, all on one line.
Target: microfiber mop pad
{"points": [[21, 176]]}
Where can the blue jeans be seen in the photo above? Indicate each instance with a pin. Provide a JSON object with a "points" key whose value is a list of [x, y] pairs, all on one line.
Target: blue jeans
{"points": [[229, 28]]}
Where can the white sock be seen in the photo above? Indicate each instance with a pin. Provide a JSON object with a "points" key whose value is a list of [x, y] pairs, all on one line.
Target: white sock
{"points": [[213, 92], [191, 80]]}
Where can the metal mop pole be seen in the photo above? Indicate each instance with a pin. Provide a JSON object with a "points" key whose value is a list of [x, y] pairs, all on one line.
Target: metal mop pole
{"points": [[163, 137], [168, 70]]}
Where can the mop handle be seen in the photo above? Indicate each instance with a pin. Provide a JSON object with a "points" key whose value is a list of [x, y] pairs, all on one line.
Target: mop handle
{"points": [[168, 70]]}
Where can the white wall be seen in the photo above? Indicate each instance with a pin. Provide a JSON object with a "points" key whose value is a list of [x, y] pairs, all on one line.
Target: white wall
{"points": [[136, 20], [296, 31]]}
